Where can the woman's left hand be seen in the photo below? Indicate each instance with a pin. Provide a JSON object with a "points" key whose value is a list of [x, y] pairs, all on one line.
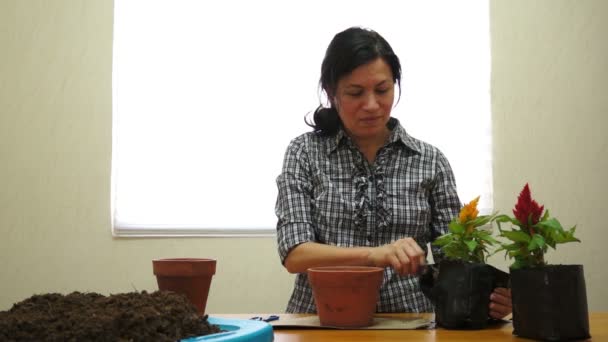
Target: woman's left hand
{"points": [[500, 303]]}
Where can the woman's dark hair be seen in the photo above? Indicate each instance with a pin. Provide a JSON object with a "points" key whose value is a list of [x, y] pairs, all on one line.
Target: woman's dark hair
{"points": [[347, 51]]}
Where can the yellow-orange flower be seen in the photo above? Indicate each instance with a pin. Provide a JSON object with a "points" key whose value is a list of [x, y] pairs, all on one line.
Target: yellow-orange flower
{"points": [[469, 212]]}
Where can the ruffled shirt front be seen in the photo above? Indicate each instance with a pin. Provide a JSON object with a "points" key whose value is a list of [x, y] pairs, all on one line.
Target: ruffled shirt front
{"points": [[329, 193]]}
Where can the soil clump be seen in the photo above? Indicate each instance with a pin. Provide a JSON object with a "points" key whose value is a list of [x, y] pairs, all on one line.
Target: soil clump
{"points": [[133, 316]]}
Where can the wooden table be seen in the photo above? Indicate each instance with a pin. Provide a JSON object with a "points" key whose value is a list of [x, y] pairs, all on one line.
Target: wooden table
{"points": [[598, 322]]}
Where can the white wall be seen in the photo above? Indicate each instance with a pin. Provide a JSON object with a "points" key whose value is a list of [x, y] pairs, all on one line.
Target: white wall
{"points": [[549, 94], [55, 143], [550, 114]]}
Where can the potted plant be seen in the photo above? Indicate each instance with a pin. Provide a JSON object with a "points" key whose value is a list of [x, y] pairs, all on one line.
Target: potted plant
{"points": [[549, 301], [464, 282]]}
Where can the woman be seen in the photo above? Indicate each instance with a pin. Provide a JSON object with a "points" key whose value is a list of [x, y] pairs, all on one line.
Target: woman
{"points": [[359, 190]]}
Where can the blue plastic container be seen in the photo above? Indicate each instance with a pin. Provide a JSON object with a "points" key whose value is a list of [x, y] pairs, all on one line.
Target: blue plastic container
{"points": [[237, 330]]}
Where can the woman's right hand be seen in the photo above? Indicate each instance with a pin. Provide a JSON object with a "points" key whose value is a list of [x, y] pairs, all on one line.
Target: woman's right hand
{"points": [[403, 255]]}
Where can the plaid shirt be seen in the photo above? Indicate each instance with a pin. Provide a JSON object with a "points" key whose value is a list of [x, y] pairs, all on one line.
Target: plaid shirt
{"points": [[329, 193]]}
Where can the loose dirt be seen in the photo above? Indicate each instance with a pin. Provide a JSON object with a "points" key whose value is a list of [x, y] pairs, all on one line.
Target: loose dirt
{"points": [[135, 316]]}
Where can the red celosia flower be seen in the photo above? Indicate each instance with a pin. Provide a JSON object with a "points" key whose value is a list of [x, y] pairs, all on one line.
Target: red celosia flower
{"points": [[527, 211]]}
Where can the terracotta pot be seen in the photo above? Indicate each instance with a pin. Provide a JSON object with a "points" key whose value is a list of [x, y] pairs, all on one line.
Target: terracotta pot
{"points": [[346, 296], [189, 276]]}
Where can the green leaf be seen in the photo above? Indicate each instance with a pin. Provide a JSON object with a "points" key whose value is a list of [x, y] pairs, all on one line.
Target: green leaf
{"points": [[518, 263], [456, 227], [537, 242], [443, 240], [570, 235], [456, 251], [545, 216], [472, 244], [516, 236], [488, 237], [482, 220], [552, 224], [566, 237], [512, 247], [504, 218]]}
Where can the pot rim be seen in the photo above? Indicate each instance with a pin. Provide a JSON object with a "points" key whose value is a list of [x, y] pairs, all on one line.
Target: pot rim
{"points": [[185, 259], [345, 269]]}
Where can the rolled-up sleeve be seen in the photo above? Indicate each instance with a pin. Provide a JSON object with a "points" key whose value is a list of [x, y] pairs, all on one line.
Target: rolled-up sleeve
{"points": [[444, 200], [294, 201]]}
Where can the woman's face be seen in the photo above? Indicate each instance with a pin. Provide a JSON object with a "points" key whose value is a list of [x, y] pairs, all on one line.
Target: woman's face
{"points": [[364, 100]]}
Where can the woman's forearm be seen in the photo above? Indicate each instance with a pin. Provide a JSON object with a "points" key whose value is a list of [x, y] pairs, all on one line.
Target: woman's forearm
{"points": [[312, 254]]}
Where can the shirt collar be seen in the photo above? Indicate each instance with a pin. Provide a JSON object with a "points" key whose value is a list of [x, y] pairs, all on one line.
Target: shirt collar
{"points": [[398, 135]]}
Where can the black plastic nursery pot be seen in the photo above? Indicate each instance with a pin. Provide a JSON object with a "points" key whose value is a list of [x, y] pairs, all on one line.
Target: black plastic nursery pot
{"points": [[461, 292], [550, 303]]}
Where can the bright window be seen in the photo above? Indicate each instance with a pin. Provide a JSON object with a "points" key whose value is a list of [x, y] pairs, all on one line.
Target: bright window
{"points": [[207, 95]]}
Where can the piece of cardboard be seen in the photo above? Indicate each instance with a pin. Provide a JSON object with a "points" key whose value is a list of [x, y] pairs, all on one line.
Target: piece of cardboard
{"points": [[387, 323]]}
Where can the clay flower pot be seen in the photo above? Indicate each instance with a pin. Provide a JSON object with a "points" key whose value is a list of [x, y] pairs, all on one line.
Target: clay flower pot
{"points": [[188, 276], [346, 296]]}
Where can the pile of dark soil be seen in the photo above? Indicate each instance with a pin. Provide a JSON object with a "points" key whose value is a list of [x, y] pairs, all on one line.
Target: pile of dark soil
{"points": [[134, 316]]}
